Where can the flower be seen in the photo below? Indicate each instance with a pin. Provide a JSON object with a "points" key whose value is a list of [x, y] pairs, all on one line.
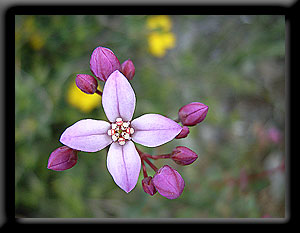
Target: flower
{"points": [[62, 158], [184, 132], [86, 83], [103, 62], [160, 42], [123, 160], [84, 102], [192, 114], [183, 155], [168, 182], [148, 186], [162, 22], [128, 69], [160, 37]]}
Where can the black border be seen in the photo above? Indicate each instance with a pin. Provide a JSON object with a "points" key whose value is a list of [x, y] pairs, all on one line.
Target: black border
{"points": [[130, 9]]}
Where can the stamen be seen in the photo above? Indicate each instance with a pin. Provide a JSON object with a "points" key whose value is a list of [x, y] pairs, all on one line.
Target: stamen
{"points": [[119, 121], [111, 132], [131, 130], [114, 138], [120, 131], [121, 141]]}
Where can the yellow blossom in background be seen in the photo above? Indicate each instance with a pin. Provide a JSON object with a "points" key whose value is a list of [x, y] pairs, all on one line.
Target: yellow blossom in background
{"points": [[160, 38], [162, 22], [160, 42], [82, 101]]}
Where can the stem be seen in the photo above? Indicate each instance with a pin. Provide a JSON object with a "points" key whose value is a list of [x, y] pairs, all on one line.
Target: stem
{"points": [[99, 92], [150, 164], [164, 156], [144, 169], [143, 158]]}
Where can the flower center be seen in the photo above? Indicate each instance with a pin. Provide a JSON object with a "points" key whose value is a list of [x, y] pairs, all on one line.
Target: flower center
{"points": [[120, 131]]}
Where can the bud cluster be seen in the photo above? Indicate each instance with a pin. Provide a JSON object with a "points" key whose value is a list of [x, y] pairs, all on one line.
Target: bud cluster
{"points": [[102, 64], [167, 181]]}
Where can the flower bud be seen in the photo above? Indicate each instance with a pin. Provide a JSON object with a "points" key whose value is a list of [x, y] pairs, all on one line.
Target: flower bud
{"points": [[183, 133], [183, 155], [148, 186], [103, 62], [62, 158], [193, 113], [168, 182], [128, 69], [86, 83]]}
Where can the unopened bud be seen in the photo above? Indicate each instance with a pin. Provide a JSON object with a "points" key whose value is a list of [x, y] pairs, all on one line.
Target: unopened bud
{"points": [[184, 132], [62, 158], [148, 186], [193, 113], [86, 83], [103, 62], [128, 69], [183, 155], [168, 182]]}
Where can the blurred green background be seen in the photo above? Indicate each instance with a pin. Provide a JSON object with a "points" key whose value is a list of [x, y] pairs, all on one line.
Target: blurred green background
{"points": [[233, 64]]}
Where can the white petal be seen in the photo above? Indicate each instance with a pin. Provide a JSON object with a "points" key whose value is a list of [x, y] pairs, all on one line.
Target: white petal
{"points": [[87, 135], [154, 130], [124, 164], [118, 98]]}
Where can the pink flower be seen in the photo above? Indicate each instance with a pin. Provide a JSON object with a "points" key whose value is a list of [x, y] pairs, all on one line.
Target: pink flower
{"points": [[62, 158], [192, 114], [168, 182], [183, 155], [128, 69], [123, 160], [103, 62]]}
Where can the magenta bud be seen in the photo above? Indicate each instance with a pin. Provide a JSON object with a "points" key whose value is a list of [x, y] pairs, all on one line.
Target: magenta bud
{"points": [[128, 69], [86, 83], [62, 158], [183, 133], [103, 62], [183, 155], [193, 113], [168, 182], [148, 186]]}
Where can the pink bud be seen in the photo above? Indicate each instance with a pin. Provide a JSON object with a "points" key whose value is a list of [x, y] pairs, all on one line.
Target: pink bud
{"points": [[148, 186], [168, 182], [193, 113], [103, 62], [183, 133], [86, 83], [128, 69], [62, 158], [183, 155]]}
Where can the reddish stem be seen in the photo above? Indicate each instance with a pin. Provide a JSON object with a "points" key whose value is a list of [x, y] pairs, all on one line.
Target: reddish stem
{"points": [[143, 158], [164, 156], [150, 164], [144, 169], [99, 92]]}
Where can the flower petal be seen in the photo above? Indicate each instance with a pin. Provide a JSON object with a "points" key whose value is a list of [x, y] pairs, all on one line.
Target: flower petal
{"points": [[118, 98], [124, 164], [87, 135], [154, 130]]}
